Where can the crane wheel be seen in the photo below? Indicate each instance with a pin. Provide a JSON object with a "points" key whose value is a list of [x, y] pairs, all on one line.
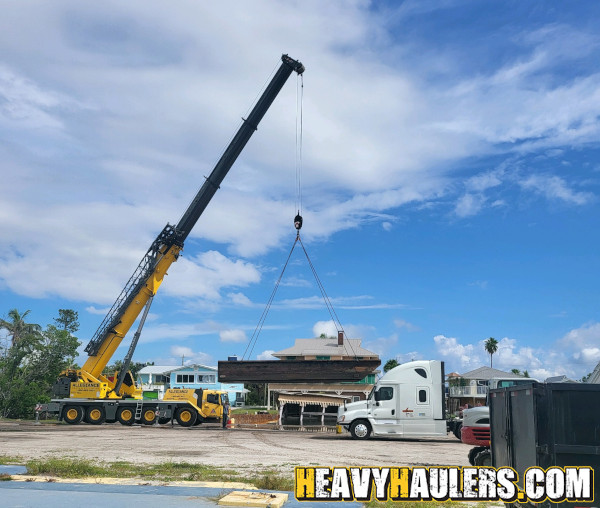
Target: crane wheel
{"points": [[95, 415], [73, 414], [148, 416], [126, 416], [186, 417], [164, 420]]}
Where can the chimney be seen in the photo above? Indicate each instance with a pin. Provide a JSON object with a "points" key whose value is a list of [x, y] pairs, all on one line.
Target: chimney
{"points": [[340, 338]]}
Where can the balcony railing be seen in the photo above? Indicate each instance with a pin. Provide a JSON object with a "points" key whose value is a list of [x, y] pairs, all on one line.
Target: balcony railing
{"points": [[468, 391]]}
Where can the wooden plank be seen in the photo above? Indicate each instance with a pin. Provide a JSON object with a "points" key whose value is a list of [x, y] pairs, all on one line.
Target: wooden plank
{"points": [[296, 371]]}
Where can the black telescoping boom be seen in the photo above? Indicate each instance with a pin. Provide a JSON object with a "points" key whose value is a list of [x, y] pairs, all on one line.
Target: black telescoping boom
{"points": [[148, 276]]}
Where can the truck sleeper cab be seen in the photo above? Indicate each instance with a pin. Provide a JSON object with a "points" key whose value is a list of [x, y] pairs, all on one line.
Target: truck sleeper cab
{"points": [[409, 400]]}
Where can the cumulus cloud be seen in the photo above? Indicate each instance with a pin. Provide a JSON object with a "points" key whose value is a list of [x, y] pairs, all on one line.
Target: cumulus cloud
{"points": [[232, 336], [266, 355], [449, 347], [189, 356]]}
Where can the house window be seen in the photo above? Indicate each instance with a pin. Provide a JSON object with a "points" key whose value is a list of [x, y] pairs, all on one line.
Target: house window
{"points": [[355, 398], [185, 378], [207, 378], [159, 378], [323, 357]]}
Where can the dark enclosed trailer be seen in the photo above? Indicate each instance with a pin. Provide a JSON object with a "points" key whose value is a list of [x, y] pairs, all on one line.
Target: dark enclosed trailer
{"points": [[544, 425], [296, 371]]}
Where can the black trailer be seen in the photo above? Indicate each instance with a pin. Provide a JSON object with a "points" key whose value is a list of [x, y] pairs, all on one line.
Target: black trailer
{"points": [[544, 425]]}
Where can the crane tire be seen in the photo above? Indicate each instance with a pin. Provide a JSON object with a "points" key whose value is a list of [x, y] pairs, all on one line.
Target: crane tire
{"points": [[95, 415], [149, 415], [186, 416], [73, 414], [163, 420], [126, 415]]}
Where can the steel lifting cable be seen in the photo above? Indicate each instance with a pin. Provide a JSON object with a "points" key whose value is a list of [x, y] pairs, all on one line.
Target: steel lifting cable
{"points": [[263, 317], [299, 140], [298, 225], [328, 304]]}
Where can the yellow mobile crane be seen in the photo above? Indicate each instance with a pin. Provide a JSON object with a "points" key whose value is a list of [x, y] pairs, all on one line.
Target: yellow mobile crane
{"points": [[88, 394]]}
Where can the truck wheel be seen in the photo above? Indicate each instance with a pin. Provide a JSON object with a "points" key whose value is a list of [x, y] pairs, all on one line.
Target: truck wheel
{"points": [[73, 414], [164, 420], [483, 458], [473, 453], [148, 416], [186, 417], [126, 415], [95, 415], [360, 429], [456, 431]]}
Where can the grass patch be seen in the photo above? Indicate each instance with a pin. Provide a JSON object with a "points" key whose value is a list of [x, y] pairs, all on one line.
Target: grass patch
{"points": [[165, 472], [5, 478], [10, 460]]}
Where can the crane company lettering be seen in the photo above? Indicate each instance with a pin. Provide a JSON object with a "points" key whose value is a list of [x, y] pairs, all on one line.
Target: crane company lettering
{"points": [[571, 484]]}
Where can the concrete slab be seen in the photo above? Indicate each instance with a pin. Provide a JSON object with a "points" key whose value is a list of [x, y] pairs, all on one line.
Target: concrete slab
{"points": [[258, 499]]}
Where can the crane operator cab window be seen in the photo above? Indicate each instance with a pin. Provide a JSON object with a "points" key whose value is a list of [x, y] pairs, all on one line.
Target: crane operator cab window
{"points": [[212, 398]]}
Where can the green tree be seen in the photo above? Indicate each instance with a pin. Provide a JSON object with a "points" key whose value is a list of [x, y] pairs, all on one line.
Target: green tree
{"points": [[390, 364], [516, 371], [67, 320], [16, 326], [134, 367], [30, 366], [525, 373], [491, 346]]}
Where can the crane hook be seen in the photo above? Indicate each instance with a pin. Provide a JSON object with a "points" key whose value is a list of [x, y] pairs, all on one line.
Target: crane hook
{"points": [[298, 221]]}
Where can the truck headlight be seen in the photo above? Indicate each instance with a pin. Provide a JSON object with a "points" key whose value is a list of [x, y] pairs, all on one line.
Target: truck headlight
{"points": [[341, 418]]}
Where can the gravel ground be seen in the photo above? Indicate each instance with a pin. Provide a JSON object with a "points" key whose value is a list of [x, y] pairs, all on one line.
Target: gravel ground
{"points": [[239, 449]]}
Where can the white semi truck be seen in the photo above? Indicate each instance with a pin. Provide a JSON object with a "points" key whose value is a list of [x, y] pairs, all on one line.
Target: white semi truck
{"points": [[408, 401]]}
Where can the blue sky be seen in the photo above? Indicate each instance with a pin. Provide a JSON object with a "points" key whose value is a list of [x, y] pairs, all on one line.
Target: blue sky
{"points": [[450, 168]]}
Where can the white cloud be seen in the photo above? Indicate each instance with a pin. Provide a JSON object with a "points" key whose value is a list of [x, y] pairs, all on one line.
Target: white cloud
{"points": [[266, 355], [240, 299], [189, 356], [232, 336], [555, 187], [469, 205], [328, 328], [449, 347]]}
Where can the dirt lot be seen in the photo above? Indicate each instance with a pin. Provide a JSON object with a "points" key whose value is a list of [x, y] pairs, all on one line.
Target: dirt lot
{"points": [[240, 449]]}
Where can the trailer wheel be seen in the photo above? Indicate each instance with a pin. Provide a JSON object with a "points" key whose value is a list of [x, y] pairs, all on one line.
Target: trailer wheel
{"points": [[73, 414], [126, 415], [149, 416], [360, 429], [483, 458], [186, 417], [95, 415]]}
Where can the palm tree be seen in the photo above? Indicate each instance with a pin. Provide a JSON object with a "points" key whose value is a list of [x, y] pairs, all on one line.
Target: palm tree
{"points": [[491, 346], [17, 328]]}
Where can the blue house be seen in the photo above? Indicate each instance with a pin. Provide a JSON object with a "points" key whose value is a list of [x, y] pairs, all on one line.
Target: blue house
{"points": [[157, 378]]}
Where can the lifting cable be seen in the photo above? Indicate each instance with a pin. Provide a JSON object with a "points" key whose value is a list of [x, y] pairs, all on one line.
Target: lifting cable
{"points": [[298, 225]]}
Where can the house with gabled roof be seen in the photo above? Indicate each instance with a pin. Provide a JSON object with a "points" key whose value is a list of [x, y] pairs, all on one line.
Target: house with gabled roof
{"points": [[317, 402], [471, 388]]}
